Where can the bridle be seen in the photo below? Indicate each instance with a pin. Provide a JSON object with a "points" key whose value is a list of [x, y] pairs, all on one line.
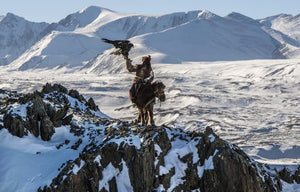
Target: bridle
{"points": [[158, 93]]}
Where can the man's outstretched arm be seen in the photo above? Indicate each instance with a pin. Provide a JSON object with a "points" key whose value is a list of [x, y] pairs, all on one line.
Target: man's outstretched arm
{"points": [[129, 65]]}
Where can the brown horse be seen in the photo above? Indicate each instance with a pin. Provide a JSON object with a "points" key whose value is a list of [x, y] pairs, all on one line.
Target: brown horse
{"points": [[145, 100]]}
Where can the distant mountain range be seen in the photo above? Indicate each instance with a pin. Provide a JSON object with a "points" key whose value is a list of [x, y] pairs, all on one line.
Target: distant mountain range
{"points": [[75, 41]]}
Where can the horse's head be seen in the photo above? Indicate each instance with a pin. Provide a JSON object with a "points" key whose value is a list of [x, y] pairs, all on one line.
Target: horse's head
{"points": [[159, 90]]}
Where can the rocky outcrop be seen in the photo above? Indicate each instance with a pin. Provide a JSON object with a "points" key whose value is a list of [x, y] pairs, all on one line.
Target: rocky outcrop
{"points": [[288, 176], [14, 125], [297, 175], [161, 159], [233, 169], [43, 111]]}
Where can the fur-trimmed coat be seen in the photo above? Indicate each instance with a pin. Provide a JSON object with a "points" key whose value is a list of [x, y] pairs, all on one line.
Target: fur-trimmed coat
{"points": [[142, 71]]}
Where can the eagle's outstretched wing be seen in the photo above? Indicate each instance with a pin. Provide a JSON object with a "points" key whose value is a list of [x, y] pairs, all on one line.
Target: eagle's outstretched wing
{"points": [[123, 46]]}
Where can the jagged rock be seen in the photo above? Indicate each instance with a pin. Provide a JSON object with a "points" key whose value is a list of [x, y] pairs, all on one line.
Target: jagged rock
{"points": [[60, 114], [92, 105], [37, 113], [45, 110], [211, 165], [47, 129], [286, 175], [14, 124], [67, 120], [230, 167], [57, 117], [37, 108], [48, 88], [34, 127], [297, 175], [75, 94]]}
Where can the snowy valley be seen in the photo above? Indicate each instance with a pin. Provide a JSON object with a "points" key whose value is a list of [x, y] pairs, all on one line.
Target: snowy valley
{"points": [[237, 75]]}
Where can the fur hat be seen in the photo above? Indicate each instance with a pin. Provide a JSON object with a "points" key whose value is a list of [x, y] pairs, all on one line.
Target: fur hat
{"points": [[146, 58]]}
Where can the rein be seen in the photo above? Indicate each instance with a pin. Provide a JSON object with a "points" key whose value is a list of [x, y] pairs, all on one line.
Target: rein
{"points": [[158, 94], [149, 102]]}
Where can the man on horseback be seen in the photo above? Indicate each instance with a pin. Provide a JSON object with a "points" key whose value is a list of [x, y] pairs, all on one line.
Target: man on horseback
{"points": [[143, 92], [143, 75]]}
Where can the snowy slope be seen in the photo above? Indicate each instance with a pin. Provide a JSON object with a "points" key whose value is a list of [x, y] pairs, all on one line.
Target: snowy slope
{"points": [[208, 37], [285, 29], [90, 25], [61, 46], [82, 18], [59, 49], [37, 160], [287, 24], [17, 35], [192, 36], [212, 38]]}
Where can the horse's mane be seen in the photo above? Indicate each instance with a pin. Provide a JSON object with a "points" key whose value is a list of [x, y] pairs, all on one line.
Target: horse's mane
{"points": [[147, 93]]}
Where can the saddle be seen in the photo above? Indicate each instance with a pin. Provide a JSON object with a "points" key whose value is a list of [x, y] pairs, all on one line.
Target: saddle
{"points": [[138, 88], [135, 88]]}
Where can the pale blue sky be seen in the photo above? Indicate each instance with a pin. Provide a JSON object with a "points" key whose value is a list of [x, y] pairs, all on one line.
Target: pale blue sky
{"points": [[55, 10]]}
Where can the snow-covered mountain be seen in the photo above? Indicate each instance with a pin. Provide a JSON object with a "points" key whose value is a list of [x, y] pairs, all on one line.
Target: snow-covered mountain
{"points": [[287, 24], [75, 41], [285, 29], [77, 38], [207, 37], [16, 36]]}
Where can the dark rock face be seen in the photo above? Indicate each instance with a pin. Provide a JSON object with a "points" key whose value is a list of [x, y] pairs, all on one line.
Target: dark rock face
{"points": [[289, 177], [39, 120], [75, 94], [47, 129], [286, 175], [297, 175], [48, 88], [92, 105], [230, 166], [45, 110], [14, 124], [166, 159]]}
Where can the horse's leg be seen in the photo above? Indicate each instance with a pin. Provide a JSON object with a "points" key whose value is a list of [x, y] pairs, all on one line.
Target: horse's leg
{"points": [[146, 117], [150, 114], [141, 115]]}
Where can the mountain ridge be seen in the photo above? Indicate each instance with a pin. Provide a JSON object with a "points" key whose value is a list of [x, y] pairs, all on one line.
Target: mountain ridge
{"points": [[229, 38], [17, 35]]}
